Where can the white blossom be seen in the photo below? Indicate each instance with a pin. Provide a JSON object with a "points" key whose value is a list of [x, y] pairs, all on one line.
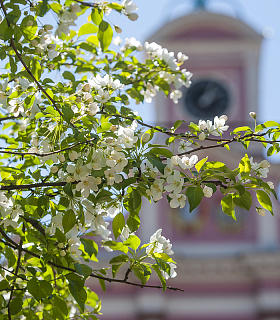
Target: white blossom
{"points": [[177, 200], [208, 191], [184, 146]]}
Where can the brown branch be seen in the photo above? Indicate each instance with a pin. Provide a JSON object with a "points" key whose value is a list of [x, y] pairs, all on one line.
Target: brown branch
{"points": [[35, 224], [22, 154], [215, 182], [87, 4], [34, 185], [8, 118], [92, 274], [15, 274], [18, 276]]}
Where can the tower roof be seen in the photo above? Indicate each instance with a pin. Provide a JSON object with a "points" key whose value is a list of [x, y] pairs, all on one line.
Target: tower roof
{"points": [[204, 25]]}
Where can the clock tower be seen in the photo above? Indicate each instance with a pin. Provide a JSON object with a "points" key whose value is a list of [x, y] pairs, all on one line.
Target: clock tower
{"points": [[223, 56], [219, 259]]}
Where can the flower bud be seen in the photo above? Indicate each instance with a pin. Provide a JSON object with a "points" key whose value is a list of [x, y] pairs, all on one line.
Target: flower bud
{"points": [[253, 115], [34, 42], [2, 95], [202, 136], [61, 157], [51, 46], [207, 192], [78, 99], [48, 27], [71, 241], [264, 164], [130, 67], [60, 245], [86, 87], [261, 211], [133, 16], [62, 253], [113, 128], [54, 169], [39, 50], [51, 66], [270, 184], [118, 29], [146, 137]]}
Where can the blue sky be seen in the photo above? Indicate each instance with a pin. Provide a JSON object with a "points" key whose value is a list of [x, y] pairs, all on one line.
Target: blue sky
{"points": [[262, 15]]}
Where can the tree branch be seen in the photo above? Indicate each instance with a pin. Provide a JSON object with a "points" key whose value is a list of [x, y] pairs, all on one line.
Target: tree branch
{"points": [[22, 154], [92, 274], [16, 274]]}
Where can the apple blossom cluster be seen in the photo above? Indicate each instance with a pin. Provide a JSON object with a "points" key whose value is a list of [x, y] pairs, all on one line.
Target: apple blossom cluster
{"points": [[67, 16], [159, 244], [216, 129], [14, 105], [171, 181], [45, 43], [158, 53], [10, 211], [128, 8]]}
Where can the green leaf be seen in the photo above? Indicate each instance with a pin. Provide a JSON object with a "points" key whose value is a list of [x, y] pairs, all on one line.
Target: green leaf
{"points": [[60, 304], [264, 200], [228, 205], [271, 123], [140, 273], [244, 128], [102, 284], [93, 39], [117, 224], [68, 76], [36, 69], [105, 35], [136, 199], [76, 284], [15, 305], [39, 289], [87, 28], [56, 7], [68, 113], [156, 162], [245, 164], [133, 242], [162, 151], [200, 164], [133, 221], [116, 246], [161, 278], [83, 269], [29, 27], [91, 248], [68, 220], [195, 195], [96, 16], [243, 201], [119, 259]]}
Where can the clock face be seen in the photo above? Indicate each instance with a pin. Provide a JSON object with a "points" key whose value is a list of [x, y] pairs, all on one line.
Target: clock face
{"points": [[206, 98]]}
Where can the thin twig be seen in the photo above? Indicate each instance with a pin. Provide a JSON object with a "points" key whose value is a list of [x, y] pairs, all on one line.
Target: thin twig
{"points": [[92, 274], [16, 274], [22, 154]]}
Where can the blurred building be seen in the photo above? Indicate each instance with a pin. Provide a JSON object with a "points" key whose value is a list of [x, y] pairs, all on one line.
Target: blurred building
{"points": [[230, 270]]}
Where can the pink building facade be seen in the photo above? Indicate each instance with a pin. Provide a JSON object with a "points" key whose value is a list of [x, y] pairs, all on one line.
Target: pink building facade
{"points": [[229, 270]]}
